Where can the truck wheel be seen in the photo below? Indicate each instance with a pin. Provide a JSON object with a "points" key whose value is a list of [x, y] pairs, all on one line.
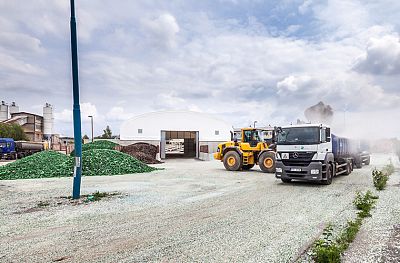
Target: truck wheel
{"points": [[348, 168], [247, 166], [368, 160], [286, 180], [358, 162], [266, 161], [232, 161], [329, 173]]}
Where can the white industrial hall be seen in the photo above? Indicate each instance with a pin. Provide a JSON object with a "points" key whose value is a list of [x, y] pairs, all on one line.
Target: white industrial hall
{"points": [[179, 134]]}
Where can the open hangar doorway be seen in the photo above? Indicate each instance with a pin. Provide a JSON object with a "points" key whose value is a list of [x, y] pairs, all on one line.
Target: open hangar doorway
{"points": [[179, 144]]}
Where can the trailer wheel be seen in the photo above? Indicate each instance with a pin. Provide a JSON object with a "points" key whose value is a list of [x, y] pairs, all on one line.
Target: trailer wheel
{"points": [[358, 162], [266, 161], [247, 167], [232, 161], [329, 173], [348, 168]]}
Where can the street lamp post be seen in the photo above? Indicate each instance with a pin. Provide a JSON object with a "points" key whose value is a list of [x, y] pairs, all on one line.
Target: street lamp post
{"points": [[91, 121], [76, 191]]}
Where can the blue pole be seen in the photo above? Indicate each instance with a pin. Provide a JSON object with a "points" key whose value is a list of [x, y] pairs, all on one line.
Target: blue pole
{"points": [[76, 192]]}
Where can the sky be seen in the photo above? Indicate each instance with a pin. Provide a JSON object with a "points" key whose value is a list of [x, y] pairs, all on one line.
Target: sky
{"points": [[239, 60]]}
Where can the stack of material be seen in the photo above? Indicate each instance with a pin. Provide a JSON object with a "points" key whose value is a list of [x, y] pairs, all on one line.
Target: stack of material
{"points": [[39, 165], [103, 144], [111, 162], [53, 164], [144, 152]]}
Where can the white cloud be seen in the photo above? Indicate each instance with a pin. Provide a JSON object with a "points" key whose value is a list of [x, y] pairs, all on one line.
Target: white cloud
{"points": [[87, 109], [381, 57], [162, 29], [118, 114]]}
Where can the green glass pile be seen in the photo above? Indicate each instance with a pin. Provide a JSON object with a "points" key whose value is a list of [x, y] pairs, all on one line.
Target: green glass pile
{"points": [[111, 162], [53, 164], [40, 165], [97, 145]]}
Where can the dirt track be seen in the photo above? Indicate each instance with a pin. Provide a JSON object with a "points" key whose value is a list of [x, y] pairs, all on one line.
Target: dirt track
{"points": [[191, 211]]}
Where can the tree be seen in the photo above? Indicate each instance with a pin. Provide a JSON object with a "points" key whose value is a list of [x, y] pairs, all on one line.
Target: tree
{"points": [[14, 131], [107, 134]]}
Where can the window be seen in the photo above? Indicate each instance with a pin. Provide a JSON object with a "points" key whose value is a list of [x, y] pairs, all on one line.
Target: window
{"points": [[140, 131], [323, 135], [216, 132]]}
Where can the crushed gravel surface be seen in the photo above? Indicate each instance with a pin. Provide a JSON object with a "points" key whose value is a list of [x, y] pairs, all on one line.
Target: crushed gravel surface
{"points": [[379, 237], [191, 211]]}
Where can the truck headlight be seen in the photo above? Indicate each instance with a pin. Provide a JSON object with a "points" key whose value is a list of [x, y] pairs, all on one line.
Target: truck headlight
{"points": [[314, 171], [278, 170]]}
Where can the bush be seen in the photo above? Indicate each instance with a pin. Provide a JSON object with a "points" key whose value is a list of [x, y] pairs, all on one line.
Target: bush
{"points": [[379, 179], [14, 131], [388, 169], [364, 203], [325, 249]]}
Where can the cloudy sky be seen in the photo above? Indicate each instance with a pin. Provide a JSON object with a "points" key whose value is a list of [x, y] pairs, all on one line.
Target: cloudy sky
{"points": [[240, 60]]}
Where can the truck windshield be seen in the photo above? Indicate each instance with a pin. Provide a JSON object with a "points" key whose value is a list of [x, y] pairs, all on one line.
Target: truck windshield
{"points": [[299, 135]]}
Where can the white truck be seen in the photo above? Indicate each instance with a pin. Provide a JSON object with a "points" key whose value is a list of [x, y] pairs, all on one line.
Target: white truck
{"points": [[308, 152]]}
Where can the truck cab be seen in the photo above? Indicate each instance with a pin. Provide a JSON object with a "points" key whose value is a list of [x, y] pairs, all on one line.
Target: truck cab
{"points": [[7, 148], [304, 152]]}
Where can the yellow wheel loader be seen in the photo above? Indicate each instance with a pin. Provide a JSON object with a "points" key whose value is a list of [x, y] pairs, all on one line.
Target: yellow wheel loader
{"points": [[255, 146]]}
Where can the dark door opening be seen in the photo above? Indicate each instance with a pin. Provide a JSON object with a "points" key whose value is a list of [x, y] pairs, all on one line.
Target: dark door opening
{"points": [[179, 144]]}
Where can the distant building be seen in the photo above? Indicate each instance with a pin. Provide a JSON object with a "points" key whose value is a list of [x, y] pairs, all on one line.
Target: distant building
{"points": [[32, 124], [36, 127]]}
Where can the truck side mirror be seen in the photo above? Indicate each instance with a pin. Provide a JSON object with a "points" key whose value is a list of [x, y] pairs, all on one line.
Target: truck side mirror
{"points": [[328, 134]]}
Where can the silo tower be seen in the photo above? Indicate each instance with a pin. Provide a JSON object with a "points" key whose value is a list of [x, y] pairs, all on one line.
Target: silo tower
{"points": [[48, 120], [13, 108], [3, 111]]}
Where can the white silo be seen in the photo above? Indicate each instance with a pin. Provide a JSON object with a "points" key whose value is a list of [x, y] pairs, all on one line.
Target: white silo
{"points": [[3, 111], [13, 108], [48, 120]]}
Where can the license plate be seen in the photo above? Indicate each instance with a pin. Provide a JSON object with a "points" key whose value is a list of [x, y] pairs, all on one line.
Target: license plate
{"points": [[295, 169]]}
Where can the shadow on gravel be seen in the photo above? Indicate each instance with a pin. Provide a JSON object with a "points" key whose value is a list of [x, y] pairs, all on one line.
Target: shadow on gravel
{"points": [[305, 184]]}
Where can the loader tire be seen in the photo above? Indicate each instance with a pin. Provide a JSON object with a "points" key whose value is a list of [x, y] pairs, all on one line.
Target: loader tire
{"points": [[267, 162], [247, 167], [232, 161]]}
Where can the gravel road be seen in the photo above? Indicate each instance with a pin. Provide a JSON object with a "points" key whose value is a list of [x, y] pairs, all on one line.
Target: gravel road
{"points": [[191, 211]]}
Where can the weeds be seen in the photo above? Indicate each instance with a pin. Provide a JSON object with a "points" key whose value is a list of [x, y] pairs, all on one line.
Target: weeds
{"points": [[326, 250], [97, 196], [380, 177], [364, 203]]}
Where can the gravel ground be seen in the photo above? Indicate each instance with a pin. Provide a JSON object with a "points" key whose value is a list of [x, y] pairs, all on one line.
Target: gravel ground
{"points": [[191, 211], [379, 236]]}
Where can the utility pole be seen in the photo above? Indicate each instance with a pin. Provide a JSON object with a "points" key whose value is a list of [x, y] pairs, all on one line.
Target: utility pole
{"points": [[91, 121], [254, 124], [76, 191]]}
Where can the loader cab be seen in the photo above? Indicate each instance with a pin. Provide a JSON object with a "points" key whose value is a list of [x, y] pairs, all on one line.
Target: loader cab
{"points": [[254, 136]]}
